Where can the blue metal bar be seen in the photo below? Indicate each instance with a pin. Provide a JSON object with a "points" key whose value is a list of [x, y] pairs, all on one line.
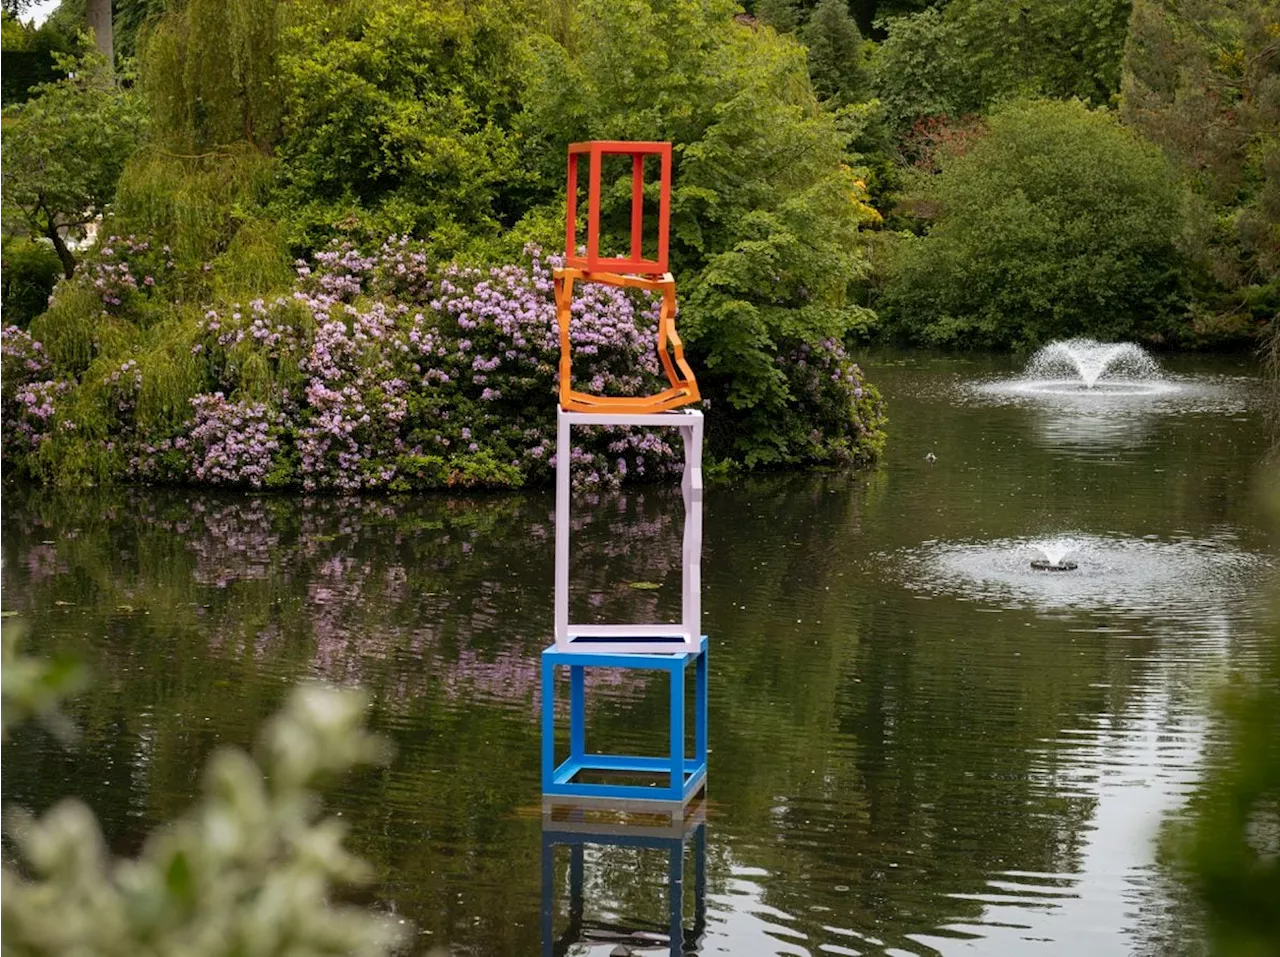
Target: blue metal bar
{"points": [[604, 659], [564, 774], [700, 706], [693, 784], [676, 785], [548, 720], [577, 711]]}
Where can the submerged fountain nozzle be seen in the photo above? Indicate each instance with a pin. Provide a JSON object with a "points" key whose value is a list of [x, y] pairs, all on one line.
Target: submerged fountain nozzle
{"points": [[1044, 565]]}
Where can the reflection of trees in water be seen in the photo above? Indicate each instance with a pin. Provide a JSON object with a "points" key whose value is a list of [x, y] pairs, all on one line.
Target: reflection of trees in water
{"points": [[873, 751], [461, 585]]}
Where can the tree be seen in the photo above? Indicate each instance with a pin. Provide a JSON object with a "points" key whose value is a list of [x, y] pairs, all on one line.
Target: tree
{"points": [[66, 148], [1202, 80], [1056, 222], [961, 58], [397, 116], [783, 15], [210, 75], [99, 23], [835, 53]]}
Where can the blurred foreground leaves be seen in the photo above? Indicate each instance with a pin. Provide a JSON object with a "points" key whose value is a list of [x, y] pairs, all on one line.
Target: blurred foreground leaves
{"points": [[247, 871], [32, 687]]}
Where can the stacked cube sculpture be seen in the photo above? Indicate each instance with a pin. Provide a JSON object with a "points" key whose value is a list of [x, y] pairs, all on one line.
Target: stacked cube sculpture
{"points": [[669, 646]]}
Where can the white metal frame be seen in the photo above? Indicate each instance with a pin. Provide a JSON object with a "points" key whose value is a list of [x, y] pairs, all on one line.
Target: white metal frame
{"points": [[653, 638]]}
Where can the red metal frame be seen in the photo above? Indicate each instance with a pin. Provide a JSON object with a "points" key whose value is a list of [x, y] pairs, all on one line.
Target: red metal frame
{"points": [[634, 264]]}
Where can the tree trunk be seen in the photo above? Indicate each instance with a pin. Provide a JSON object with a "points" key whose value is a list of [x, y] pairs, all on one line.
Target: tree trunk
{"points": [[100, 26], [60, 247]]}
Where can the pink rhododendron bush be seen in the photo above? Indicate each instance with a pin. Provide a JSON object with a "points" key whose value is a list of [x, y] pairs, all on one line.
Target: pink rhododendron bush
{"points": [[379, 371]]}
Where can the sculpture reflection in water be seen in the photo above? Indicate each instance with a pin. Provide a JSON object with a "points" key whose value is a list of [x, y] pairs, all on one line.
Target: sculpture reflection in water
{"points": [[680, 834]]}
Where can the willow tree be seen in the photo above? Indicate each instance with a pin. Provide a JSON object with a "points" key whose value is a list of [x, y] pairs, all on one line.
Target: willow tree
{"points": [[209, 78], [209, 74]]}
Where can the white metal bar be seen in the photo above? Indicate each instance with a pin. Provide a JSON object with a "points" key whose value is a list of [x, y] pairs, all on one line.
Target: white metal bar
{"points": [[677, 418], [626, 631], [564, 465], [691, 572]]}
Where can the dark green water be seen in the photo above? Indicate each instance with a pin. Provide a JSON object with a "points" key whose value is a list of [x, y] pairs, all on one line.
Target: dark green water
{"points": [[918, 745]]}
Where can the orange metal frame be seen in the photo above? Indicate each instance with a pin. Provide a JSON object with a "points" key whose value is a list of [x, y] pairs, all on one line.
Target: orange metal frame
{"points": [[684, 388], [636, 264], [627, 272]]}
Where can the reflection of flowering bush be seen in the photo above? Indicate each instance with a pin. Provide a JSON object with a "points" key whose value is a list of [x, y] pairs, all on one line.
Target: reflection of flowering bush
{"points": [[352, 588]]}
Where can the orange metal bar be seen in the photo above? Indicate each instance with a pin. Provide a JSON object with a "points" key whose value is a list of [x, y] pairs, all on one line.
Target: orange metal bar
{"points": [[570, 219], [635, 262], [593, 211], [664, 207], [637, 206]]}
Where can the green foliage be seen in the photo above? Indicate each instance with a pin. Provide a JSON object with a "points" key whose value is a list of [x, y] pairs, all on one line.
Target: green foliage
{"points": [[30, 271], [198, 205], [765, 216], [835, 47], [1058, 222], [28, 53], [248, 870], [31, 689], [209, 74], [1203, 81], [397, 118], [65, 149], [279, 127], [969, 54], [131, 19], [783, 15], [1227, 841]]}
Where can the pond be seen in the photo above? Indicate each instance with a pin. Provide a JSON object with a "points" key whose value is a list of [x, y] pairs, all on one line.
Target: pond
{"points": [[919, 744]]}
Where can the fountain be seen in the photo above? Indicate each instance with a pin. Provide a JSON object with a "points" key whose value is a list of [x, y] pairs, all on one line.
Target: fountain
{"points": [[1168, 580], [1094, 366], [1087, 375], [1055, 553]]}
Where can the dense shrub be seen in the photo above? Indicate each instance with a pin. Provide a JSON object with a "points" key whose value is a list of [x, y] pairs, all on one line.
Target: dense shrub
{"points": [[1057, 222], [398, 118], [377, 371], [30, 271]]}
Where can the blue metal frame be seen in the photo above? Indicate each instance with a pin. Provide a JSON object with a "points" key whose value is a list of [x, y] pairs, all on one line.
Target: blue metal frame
{"points": [[576, 840], [686, 775]]}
